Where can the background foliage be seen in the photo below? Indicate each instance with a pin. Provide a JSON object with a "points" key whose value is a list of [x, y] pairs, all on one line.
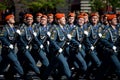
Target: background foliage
{"points": [[97, 5], [43, 5]]}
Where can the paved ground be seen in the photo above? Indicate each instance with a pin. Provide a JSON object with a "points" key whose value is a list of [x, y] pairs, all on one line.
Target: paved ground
{"points": [[32, 76]]}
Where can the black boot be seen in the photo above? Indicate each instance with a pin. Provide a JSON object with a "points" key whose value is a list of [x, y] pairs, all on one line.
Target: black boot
{"points": [[8, 76]]}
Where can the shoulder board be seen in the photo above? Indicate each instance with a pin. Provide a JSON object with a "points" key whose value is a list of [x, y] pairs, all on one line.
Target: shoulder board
{"points": [[89, 27], [3, 31], [105, 33]]}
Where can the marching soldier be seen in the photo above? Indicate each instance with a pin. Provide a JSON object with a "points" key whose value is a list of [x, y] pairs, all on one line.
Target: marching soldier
{"points": [[78, 53], [24, 46], [92, 37], [71, 19], [24, 21], [59, 38], [70, 26], [38, 17], [50, 19], [50, 24], [110, 54], [2, 40], [105, 21], [8, 47], [39, 52], [86, 17]]}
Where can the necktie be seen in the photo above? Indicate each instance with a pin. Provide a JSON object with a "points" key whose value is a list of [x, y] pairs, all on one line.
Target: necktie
{"points": [[30, 29], [12, 29]]}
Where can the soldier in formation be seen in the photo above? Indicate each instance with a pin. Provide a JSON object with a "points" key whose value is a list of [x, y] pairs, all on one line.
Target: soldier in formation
{"points": [[75, 46]]}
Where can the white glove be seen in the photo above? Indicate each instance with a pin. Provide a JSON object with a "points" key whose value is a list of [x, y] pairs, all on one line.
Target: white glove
{"points": [[69, 36], [114, 48], [92, 48], [68, 43], [100, 35], [35, 34], [86, 33], [41, 46], [27, 47], [80, 46], [11, 46], [18, 31], [48, 43], [48, 33], [60, 50]]}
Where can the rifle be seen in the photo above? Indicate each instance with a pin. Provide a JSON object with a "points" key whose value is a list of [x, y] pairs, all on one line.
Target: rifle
{"points": [[95, 43], [65, 42], [63, 47], [46, 37], [23, 26], [117, 43], [112, 51], [27, 44]]}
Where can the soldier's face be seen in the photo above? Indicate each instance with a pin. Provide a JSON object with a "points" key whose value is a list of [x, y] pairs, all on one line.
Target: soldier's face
{"points": [[11, 20], [62, 21], [114, 21], [43, 21], [38, 19], [29, 20], [86, 18], [81, 21], [50, 19], [71, 20], [95, 19]]}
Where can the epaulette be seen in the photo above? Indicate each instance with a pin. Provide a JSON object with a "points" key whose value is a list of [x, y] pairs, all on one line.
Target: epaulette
{"points": [[100, 29], [119, 31], [53, 32], [105, 33], [53, 35], [2, 31], [34, 25], [102, 26], [99, 24], [54, 25], [67, 25], [89, 28], [23, 28], [75, 27]]}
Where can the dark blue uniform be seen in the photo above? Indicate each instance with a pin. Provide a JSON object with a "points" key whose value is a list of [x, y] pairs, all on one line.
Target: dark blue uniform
{"points": [[58, 38], [39, 51], [90, 40], [2, 40], [109, 55], [77, 51], [8, 54], [24, 55]]}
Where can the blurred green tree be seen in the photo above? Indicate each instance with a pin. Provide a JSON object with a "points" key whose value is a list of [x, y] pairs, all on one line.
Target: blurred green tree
{"points": [[98, 5], [4, 4], [114, 3], [44, 5]]}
